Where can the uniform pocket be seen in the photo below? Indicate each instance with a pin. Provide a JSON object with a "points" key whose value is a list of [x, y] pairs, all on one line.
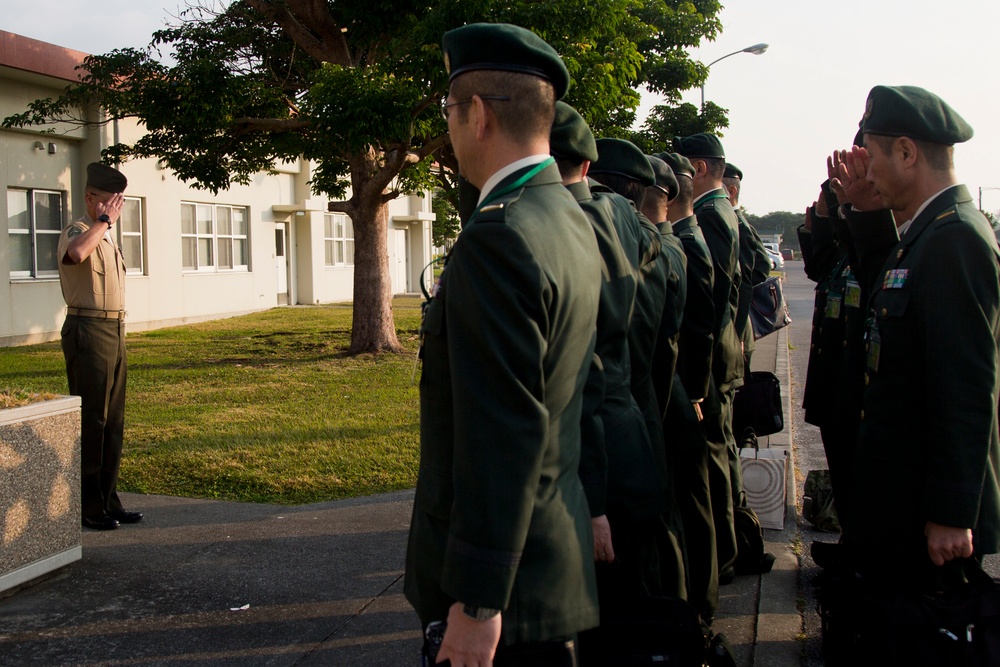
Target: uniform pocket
{"points": [[98, 273]]}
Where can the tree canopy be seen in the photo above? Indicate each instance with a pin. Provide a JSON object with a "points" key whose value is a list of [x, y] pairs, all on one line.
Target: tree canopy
{"points": [[354, 85]]}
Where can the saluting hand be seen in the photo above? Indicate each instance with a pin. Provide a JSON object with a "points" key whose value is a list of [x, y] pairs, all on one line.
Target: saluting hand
{"points": [[112, 207], [852, 184]]}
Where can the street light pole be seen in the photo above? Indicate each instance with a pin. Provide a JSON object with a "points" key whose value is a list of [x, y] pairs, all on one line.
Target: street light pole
{"points": [[756, 50], [981, 188]]}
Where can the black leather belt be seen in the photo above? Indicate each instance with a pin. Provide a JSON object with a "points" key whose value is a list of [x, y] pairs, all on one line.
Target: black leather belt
{"points": [[99, 314]]}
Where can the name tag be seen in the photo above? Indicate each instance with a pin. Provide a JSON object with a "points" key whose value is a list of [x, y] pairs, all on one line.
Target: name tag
{"points": [[852, 295]]}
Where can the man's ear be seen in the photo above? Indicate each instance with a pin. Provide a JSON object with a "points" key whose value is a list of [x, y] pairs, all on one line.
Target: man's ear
{"points": [[585, 167], [482, 116], [700, 168], [907, 150]]}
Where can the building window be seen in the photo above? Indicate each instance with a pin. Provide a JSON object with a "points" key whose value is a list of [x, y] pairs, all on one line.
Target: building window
{"points": [[338, 239], [215, 237], [131, 232], [34, 221]]}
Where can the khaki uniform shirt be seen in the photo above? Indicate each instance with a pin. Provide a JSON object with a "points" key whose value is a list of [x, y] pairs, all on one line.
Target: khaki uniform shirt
{"points": [[98, 282]]}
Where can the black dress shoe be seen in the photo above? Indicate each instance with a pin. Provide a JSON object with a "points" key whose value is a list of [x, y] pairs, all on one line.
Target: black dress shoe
{"points": [[103, 522], [126, 517]]}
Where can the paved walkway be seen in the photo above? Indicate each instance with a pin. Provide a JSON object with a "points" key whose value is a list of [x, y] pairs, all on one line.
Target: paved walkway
{"points": [[203, 582]]}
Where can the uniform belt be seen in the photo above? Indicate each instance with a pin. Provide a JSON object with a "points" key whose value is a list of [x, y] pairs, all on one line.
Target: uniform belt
{"points": [[99, 314]]}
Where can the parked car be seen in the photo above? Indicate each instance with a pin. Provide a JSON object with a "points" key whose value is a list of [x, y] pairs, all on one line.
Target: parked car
{"points": [[777, 261]]}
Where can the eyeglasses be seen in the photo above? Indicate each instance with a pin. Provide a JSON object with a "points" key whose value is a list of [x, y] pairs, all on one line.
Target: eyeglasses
{"points": [[445, 104]]}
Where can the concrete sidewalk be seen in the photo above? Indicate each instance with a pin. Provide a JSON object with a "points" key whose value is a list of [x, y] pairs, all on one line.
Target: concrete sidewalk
{"points": [[203, 582]]}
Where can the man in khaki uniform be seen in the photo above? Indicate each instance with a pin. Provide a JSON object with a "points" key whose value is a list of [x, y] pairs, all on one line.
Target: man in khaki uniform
{"points": [[92, 276]]}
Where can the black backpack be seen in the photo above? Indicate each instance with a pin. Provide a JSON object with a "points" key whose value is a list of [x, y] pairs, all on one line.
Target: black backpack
{"points": [[750, 556]]}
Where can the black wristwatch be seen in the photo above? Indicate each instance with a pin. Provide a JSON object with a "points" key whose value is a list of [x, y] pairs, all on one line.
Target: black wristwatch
{"points": [[104, 217], [479, 613]]}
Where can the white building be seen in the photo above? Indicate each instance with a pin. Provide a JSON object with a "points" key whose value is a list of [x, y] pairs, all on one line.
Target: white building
{"points": [[191, 255]]}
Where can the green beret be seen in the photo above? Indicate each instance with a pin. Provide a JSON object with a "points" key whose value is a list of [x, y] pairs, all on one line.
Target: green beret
{"points": [[700, 146], [503, 47], [665, 179], [732, 171], [909, 111], [105, 178], [618, 156], [571, 137], [680, 165]]}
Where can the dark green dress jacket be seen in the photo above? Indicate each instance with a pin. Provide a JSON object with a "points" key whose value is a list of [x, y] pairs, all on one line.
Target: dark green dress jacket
{"points": [[928, 447], [697, 334], [720, 226], [617, 458], [500, 519]]}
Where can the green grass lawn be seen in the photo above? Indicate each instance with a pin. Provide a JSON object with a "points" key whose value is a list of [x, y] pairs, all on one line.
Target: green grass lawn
{"points": [[265, 407]]}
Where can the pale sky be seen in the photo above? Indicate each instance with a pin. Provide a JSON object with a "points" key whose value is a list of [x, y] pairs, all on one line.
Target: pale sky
{"points": [[788, 108]]}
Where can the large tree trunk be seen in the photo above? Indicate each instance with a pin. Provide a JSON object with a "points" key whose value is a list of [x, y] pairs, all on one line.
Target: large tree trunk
{"points": [[374, 328]]}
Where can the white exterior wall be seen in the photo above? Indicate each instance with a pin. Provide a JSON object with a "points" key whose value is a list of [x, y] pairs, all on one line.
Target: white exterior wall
{"points": [[32, 310]]}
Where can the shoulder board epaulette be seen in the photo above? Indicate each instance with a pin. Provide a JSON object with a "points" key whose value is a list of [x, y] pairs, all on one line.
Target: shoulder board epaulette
{"points": [[947, 214], [709, 204], [491, 207]]}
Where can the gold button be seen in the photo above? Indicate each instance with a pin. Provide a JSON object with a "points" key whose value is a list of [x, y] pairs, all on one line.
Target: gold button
{"points": [[885, 311], [866, 347], [845, 343], [862, 415], [821, 329], [867, 379]]}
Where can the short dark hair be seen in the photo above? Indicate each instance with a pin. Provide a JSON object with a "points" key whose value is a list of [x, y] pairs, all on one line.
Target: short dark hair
{"points": [[569, 166], [940, 157], [685, 192], [527, 113], [623, 185], [716, 167], [732, 182]]}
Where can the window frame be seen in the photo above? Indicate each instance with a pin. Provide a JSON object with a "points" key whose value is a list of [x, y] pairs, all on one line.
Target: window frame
{"points": [[338, 246], [32, 232], [207, 239]]}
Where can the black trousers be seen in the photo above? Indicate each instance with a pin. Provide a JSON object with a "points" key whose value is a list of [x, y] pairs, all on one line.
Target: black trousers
{"points": [[96, 368]]}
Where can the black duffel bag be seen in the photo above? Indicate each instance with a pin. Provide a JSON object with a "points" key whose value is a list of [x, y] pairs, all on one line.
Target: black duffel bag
{"points": [[757, 404], [864, 624]]}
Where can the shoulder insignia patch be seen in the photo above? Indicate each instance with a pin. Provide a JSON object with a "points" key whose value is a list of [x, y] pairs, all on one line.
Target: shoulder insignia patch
{"points": [[946, 214], [73, 232]]}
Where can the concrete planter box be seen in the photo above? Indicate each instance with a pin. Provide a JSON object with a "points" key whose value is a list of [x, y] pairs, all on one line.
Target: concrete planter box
{"points": [[39, 489]]}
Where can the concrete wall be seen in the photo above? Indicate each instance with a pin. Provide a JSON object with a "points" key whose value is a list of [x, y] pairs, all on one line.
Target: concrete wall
{"points": [[39, 489]]}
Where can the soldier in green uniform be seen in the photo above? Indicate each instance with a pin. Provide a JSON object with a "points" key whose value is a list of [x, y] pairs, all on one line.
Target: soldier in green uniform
{"points": [[622, 168], [618, 467], [663, 367], [933, 347], [92, 277], [755, 265], [720, 226], [683, 415], [500, 544]]}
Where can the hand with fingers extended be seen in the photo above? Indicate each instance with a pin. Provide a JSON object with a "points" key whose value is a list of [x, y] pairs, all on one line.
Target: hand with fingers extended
{"points": [[851, 183]]}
